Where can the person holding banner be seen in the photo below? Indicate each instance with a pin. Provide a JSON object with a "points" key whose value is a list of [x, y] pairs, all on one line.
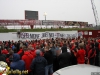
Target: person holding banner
{"points": [[18, 33]]}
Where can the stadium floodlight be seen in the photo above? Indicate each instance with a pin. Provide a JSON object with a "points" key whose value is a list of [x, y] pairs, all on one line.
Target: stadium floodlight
{"points": [[95, 12], [45, 14]]}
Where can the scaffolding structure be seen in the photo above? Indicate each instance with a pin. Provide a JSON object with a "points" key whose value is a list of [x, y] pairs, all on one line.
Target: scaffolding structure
{"points": [[95, 13]]}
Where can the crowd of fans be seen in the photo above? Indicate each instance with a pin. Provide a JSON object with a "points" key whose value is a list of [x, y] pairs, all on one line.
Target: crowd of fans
{"points": [[43, 57]]}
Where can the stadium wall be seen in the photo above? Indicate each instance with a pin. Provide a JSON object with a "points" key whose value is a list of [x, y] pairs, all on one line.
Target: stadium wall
{"points": [[90, 33]]}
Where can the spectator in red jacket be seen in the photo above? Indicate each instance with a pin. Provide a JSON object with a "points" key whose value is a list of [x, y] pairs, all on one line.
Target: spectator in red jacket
{"points": [[5, 51], [32, 52], [27, 58], [87, 48], [91, 56], [21, 52], [72, 45], [81, 54], [99, 43]]}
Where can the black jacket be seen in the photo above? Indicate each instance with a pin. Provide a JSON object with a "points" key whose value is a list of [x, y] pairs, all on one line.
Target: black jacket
{"points": [[64, 49], [49, 57], [64, 60], [2, 57], [38, 65], [97, 57]]}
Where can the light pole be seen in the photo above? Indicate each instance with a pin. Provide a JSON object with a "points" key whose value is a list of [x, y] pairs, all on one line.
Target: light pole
{"points": [[45, 14]]}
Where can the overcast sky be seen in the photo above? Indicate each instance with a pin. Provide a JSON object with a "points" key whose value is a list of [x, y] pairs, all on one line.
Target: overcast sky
{"points": [[69, 10]]}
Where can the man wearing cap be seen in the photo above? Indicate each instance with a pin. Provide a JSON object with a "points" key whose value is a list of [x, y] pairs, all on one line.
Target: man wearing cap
{"points": [[38, 64]]}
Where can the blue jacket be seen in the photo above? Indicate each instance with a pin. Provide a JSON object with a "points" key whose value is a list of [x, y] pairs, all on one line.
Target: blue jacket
{"points": [[17, 63]]}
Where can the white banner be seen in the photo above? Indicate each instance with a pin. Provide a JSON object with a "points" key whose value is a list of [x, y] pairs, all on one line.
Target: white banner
{"points": [[45, 35], [38, 35]]}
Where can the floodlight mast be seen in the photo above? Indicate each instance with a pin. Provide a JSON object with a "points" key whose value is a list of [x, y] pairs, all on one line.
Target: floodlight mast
{"points": [[95, 13], [45, 14]]}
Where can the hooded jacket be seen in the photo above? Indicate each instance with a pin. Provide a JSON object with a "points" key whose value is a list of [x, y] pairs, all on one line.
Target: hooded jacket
{"points": [[32, 52], [38, 65], [27, 58], [17, 63]]}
